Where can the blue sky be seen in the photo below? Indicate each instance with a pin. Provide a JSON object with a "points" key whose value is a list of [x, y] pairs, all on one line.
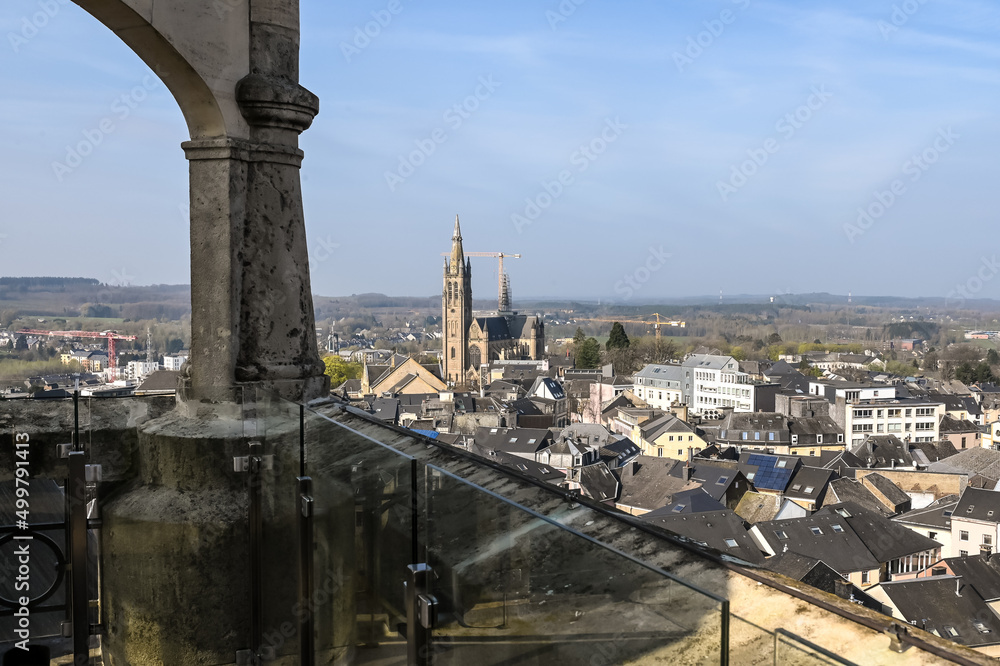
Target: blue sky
{"points": [[703, 146]]}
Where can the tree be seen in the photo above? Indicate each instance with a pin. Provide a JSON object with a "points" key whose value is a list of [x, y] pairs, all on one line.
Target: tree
{"points": [[931, 361], [738, 353], [774, 339], [618, 339], [588, 354], [339, 371], [21, 344], [7, 317], [992, 357], [965, 373], [579, 337]]}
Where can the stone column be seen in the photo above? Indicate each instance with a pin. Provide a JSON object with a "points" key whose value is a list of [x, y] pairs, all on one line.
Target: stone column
{"points": [[252, 311]]}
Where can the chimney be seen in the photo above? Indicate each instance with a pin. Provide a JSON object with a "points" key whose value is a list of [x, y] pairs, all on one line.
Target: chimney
{"points": [[690, 454], [842, 588], [688, 471], [958, 586]]}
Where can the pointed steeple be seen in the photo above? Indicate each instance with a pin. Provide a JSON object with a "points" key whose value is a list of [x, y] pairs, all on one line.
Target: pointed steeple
{"points": [[457, 254]]}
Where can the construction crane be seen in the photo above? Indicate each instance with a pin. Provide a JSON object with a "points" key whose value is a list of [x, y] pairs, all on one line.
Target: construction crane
{"points": [[501, 292], [110, 336], [656, 324]]}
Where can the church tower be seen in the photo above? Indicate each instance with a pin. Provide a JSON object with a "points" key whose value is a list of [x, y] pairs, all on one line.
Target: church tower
{"points": [[456, 307]]}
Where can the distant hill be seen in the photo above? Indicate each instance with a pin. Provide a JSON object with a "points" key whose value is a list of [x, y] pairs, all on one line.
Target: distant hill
{"points": [[65, 296]]}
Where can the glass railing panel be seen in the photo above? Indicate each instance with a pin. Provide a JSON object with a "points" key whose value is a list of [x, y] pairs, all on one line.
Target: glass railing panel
{"points": [[271, 429], [515, 587], [364, 540]]}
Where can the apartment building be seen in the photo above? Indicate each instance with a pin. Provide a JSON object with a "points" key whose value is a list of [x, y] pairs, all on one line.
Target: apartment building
{"points": [[909, 419]]}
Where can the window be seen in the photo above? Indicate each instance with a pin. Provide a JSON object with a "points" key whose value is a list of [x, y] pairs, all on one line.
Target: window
{"points": [[781, 535], [963, 535], [770, 436], [744, 435], [809, 490], [659, 452], [950, 631], [780, 463], [680, 452], [816, 531], [731, 543], [894, 413], [963, 553], [862, 413], [932, 535], [837, 528], [751, 475], [924, 411], [864, 578], [819, 439], [861, 427], [722, 480], [756, 435], [971, 507], [980, 627], [987, 539]]}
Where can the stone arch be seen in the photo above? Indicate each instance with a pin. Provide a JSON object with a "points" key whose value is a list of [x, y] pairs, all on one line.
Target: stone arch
{"points": [[200, 71], [475, 357]]}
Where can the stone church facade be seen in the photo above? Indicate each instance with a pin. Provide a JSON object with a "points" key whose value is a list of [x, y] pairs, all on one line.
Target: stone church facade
{"points": [[471, 340]]}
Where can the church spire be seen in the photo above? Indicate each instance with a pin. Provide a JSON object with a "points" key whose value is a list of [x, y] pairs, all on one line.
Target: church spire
{"points": [[457, 254]]}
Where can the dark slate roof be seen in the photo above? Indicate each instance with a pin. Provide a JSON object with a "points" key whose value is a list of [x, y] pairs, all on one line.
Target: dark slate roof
{"points": [[386, 409], [936, 515], [779, 369], [524, 441], [808, 484], [883, 451], [496, 328], [846, 537], [552, 386], [715, 477], [619, 452], [598, 482], [984, 462], [525, 407], [932, 604], [979, 504], [890, 490], [931, 452], [720, 530], [791, 564], [839, 459], [692, 500], [350, 386], [647, 482], [713, 452], [885, 539], [983, 573], [537, 470], [949, 424]]}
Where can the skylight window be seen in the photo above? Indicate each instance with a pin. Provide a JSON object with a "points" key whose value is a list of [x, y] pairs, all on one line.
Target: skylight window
{"points": [[512, 440], [971, 507], [678, 508], [797, 486], [950, 631], [980, 627], [816, 531], [731, 543], [781, 535], [947, 513], [751, 475], [837, 528], [844, 513], [809, 489], [722, 481], [780, 463]]}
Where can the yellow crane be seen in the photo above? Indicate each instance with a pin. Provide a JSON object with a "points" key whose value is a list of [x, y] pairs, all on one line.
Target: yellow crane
{"points": [[656, 324], [495, 255]]}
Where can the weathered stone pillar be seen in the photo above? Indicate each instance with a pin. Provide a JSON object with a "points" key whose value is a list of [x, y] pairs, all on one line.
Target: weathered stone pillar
{"points": [[252, 312]]}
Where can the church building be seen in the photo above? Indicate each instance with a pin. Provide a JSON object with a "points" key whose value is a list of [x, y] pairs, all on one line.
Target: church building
{"points": [[473, 339]]}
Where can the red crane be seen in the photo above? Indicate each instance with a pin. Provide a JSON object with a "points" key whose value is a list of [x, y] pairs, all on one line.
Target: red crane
{"points": [[110, 336]]}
